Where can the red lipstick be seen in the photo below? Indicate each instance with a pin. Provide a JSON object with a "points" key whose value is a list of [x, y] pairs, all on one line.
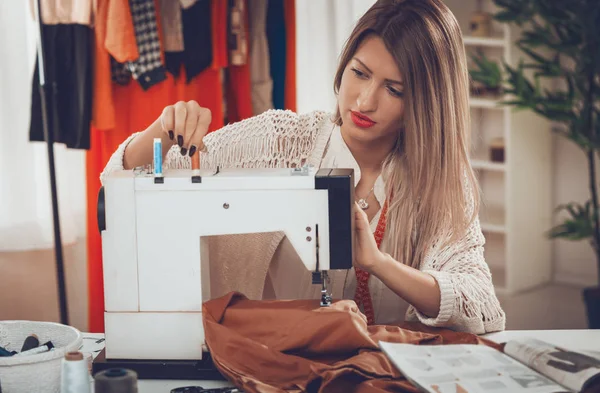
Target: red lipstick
{"points": [[361, 120]]}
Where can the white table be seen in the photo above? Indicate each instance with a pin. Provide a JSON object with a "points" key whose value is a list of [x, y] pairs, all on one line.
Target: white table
{"points": [[587, 340]]}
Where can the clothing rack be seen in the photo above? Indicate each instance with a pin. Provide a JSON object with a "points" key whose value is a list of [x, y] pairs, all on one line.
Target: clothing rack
{"points": [[49, 136]]}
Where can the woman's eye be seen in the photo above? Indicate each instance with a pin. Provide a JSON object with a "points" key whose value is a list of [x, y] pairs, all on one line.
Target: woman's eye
{"points": [[359, 73], [394, 92]]}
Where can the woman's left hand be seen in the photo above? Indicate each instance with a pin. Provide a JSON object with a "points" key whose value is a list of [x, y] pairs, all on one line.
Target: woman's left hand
{"points": [[366, 254]]}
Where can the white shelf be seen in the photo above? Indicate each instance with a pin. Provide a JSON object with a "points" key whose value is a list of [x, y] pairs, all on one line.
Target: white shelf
{"points": [[493, 228], [488, 165], [515, 212], [490, 103], [492, 220], [485, 41]]}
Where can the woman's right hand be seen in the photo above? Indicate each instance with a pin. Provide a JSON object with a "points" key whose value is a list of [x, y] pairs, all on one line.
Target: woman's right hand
{"points": [[186, 123]]}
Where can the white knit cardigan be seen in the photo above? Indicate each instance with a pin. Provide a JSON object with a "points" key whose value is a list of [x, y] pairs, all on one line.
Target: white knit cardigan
{"points": [[278, 138]]}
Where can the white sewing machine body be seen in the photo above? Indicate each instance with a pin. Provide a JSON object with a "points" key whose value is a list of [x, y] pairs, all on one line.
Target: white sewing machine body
{"points": [[155, 249]]}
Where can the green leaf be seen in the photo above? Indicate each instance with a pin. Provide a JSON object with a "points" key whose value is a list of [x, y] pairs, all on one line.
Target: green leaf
{"points": [[505, 16], [488, 71], [537, 57], [578, 226]]}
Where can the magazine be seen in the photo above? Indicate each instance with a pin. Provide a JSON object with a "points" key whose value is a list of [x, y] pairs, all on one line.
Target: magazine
{"points": [[526, 365]]}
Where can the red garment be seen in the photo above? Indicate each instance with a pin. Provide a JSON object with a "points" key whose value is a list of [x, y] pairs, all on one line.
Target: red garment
{"points": [[114, 35], [298, 346], [362, 294], [134, 110]]}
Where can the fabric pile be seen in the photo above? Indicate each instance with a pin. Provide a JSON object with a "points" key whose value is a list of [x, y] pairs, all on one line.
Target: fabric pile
{"points": [[298, 346]]}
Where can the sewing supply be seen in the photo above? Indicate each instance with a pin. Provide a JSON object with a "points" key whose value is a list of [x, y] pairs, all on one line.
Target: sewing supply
{"points": [[362, 202], [89, 359], [74, 377], [158, 171], [115, 380], [196, 178], [5, 352], [34, 351], [30, 342]]}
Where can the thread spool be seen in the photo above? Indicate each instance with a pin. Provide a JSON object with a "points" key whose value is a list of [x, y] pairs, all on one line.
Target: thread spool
{"points": [[196, 162], [89, 359], [75, 377], [116, 380], [158, 157], [196, 178]]}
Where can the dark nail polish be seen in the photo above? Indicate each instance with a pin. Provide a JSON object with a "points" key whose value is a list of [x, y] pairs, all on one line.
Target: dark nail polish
{"points": [[192, 150], [171, 135], [180, 140], [183, 151]]}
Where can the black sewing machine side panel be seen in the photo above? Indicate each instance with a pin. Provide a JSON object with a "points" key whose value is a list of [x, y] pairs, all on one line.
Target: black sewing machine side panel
{"points": [[340, 184]]}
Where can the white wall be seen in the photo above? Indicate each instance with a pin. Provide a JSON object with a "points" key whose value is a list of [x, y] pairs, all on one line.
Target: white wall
{"points": [[26, 220], [322, 28]]}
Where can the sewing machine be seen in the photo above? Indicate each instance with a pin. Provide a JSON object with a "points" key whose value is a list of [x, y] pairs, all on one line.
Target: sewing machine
{"points": [[154, 232]]}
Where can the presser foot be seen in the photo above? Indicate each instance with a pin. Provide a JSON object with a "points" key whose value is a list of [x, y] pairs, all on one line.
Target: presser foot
{"points": [[322, 278], [325, 298]]}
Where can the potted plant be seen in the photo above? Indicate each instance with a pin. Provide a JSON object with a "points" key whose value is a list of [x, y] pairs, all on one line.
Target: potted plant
{"points": [[562, 42], [487, 77]]}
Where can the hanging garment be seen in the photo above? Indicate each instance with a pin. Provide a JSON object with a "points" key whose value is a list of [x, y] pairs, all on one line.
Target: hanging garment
{"points": [[119, 72], [237, 37], [114, 41], [290, 52], [68, 77], [197, 39], [133, 109], [238, 85], [55, 12], [148, 68], [172, 29], [121, 46], [119, 31], [276, 34], [260, 69], [308, 348], [187, 3]]}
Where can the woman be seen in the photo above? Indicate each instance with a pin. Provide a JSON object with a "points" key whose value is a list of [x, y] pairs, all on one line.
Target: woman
{"points": [[402, 123]]}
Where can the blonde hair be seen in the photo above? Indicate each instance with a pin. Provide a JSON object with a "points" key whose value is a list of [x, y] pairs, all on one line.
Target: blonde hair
{"points": [[431, 188]]}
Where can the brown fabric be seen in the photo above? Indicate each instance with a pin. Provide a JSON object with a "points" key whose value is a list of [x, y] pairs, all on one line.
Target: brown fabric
{"points": [[238, 44], [297, 346], [172, 28]]}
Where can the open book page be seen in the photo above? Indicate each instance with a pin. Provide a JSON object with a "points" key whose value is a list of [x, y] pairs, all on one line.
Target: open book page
{"points": [[465, 368], [569, 368]]}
